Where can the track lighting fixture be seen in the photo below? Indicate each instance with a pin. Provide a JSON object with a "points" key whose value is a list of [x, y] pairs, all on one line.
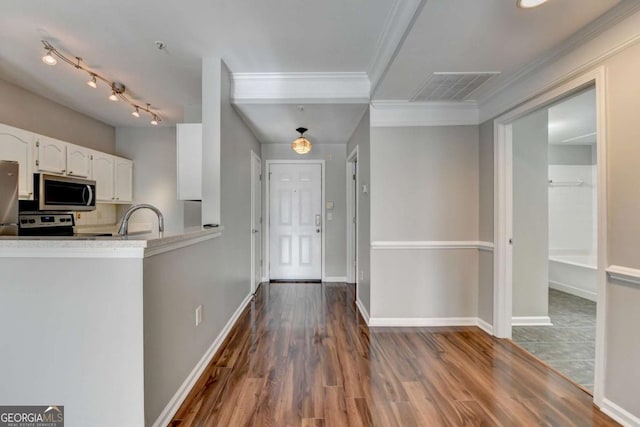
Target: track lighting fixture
{"points": [[117, 88], [93, 82]]}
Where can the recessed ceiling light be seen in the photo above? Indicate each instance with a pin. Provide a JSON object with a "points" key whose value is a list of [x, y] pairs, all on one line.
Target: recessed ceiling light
{"points": [[528, 4]]}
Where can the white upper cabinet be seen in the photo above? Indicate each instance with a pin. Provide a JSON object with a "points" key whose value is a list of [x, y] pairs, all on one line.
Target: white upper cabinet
{"points": [[189, 146], [103, 167], [124, 180], [78, 161], [51, 155], [113, 176], [17, 145]]}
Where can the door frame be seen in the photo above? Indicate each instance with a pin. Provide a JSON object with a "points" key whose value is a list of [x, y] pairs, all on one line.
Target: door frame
{"points": [[267, 212], [352, 228], [254, 157], [503, 211]]}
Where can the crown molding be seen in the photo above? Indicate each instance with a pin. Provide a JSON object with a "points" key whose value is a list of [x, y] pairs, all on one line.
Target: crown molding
{"points": [[603, 38], [409, 114], [396, 28], [299, 87]]}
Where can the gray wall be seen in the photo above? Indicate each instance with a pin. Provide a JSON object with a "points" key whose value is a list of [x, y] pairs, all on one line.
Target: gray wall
{"points": [[215, 273], [361, 139], [530, 216], [572, 154], [485, 225], [334, 156], [26, 110], [622, 384], [153, 151], [424, 183], [424, 187]]}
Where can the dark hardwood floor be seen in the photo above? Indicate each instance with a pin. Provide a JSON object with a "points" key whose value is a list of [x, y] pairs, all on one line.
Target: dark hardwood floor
{"points": [[300, 355]]}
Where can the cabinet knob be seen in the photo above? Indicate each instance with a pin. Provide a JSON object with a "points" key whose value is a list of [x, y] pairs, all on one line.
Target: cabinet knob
{"points": [[69, 171]]}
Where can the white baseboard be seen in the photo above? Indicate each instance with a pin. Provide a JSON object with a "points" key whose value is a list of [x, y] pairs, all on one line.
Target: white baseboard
{"points": [[619, 414], [572, 290], [531, 321], [485, 326], [335, 279], [422, 321], [177, 399], [363, 311]]}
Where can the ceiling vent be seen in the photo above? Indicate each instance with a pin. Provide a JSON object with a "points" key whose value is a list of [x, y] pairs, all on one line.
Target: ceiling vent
{"points": [[451, 86]]}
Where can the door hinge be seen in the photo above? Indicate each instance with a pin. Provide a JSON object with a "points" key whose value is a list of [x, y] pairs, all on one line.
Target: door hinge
{"points": [[38, 143], [260, 177], [354, 219], [269, 176], [37, 162], [354, 176]]}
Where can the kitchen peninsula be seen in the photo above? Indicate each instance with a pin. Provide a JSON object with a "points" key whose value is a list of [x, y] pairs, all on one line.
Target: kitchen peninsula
{"points": [[92, 316]]}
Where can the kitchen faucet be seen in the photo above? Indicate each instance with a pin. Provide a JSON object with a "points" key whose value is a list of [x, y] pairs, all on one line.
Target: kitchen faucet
{"points": [[124, 225]]}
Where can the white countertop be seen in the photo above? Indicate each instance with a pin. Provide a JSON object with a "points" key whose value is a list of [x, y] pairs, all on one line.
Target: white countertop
{"points": [[132, 246]]}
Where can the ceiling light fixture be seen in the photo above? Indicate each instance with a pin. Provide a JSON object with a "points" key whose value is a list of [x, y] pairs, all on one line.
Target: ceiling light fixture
{"points": [[301, 145], [93, 82], [117, 88], [48, 58], [528, 4]]}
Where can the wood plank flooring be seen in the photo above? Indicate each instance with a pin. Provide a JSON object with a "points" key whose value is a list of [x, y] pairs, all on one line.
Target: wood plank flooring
{"points": [[300, 355]]}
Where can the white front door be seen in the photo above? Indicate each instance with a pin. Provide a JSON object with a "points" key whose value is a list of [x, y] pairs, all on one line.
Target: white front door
{"points": [[256, 221], [295, 209]]}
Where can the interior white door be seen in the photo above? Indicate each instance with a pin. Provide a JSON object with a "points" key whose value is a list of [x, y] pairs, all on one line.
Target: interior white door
{"points": [[256, 221], [295, 209]]}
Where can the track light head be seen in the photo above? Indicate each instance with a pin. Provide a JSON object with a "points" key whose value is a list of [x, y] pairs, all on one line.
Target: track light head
{"points": [[49, 59], [155, 120], [136, 113], [93, 82]]}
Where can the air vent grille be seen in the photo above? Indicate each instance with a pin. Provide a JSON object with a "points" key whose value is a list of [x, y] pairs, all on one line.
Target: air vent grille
{"points": [[451, 86]]}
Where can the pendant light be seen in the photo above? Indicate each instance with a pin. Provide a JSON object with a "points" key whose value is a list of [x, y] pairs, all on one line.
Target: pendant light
{"points": [[301, 145]]}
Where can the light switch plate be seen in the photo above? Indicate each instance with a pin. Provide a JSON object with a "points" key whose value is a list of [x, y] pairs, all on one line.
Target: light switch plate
{"points": [[365, 189], [329, 216], [198, 315], [329, 204]]}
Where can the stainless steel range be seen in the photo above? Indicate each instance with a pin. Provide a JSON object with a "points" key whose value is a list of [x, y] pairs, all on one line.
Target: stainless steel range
{"points": [[42, 223]]}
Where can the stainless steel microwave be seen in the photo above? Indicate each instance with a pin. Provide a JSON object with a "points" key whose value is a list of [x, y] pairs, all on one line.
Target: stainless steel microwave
{"points": [[63, 193]]}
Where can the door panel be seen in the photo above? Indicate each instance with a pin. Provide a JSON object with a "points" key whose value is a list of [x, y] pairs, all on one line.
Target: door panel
{"points": [[296, 223], [256, 221]]}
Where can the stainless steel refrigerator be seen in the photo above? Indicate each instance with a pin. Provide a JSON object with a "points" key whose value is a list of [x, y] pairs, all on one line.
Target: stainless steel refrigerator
{"points": [[8, 198]]}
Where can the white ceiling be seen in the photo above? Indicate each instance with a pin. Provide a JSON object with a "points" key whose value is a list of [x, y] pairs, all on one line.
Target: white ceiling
{"points": [[327, 123], [116, 38], [481, 36], [573, 121]]}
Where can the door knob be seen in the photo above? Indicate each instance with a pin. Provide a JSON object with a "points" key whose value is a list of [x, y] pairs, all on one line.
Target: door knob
{"points": [[254, 230], [317, 230]]}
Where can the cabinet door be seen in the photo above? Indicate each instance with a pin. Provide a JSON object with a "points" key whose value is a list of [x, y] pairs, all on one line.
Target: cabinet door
{"points": [[103, 167], [78, 161], [124, 180], [17, 145], [52, 155]]}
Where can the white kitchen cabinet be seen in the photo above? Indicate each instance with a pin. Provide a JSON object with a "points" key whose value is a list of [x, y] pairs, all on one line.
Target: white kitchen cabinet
{"points": [[123, 180], [51, 155], [113, 176], [78, 161], [17, 145], [189, 155], [103, 168]]}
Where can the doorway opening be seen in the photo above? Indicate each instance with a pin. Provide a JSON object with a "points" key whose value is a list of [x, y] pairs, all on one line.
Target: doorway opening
{"points": [[515, 255], [555, 235], [295, 220]]}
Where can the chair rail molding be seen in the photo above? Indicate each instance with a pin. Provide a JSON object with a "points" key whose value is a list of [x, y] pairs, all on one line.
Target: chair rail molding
{"points": [[624, 274], [432, 244]]}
